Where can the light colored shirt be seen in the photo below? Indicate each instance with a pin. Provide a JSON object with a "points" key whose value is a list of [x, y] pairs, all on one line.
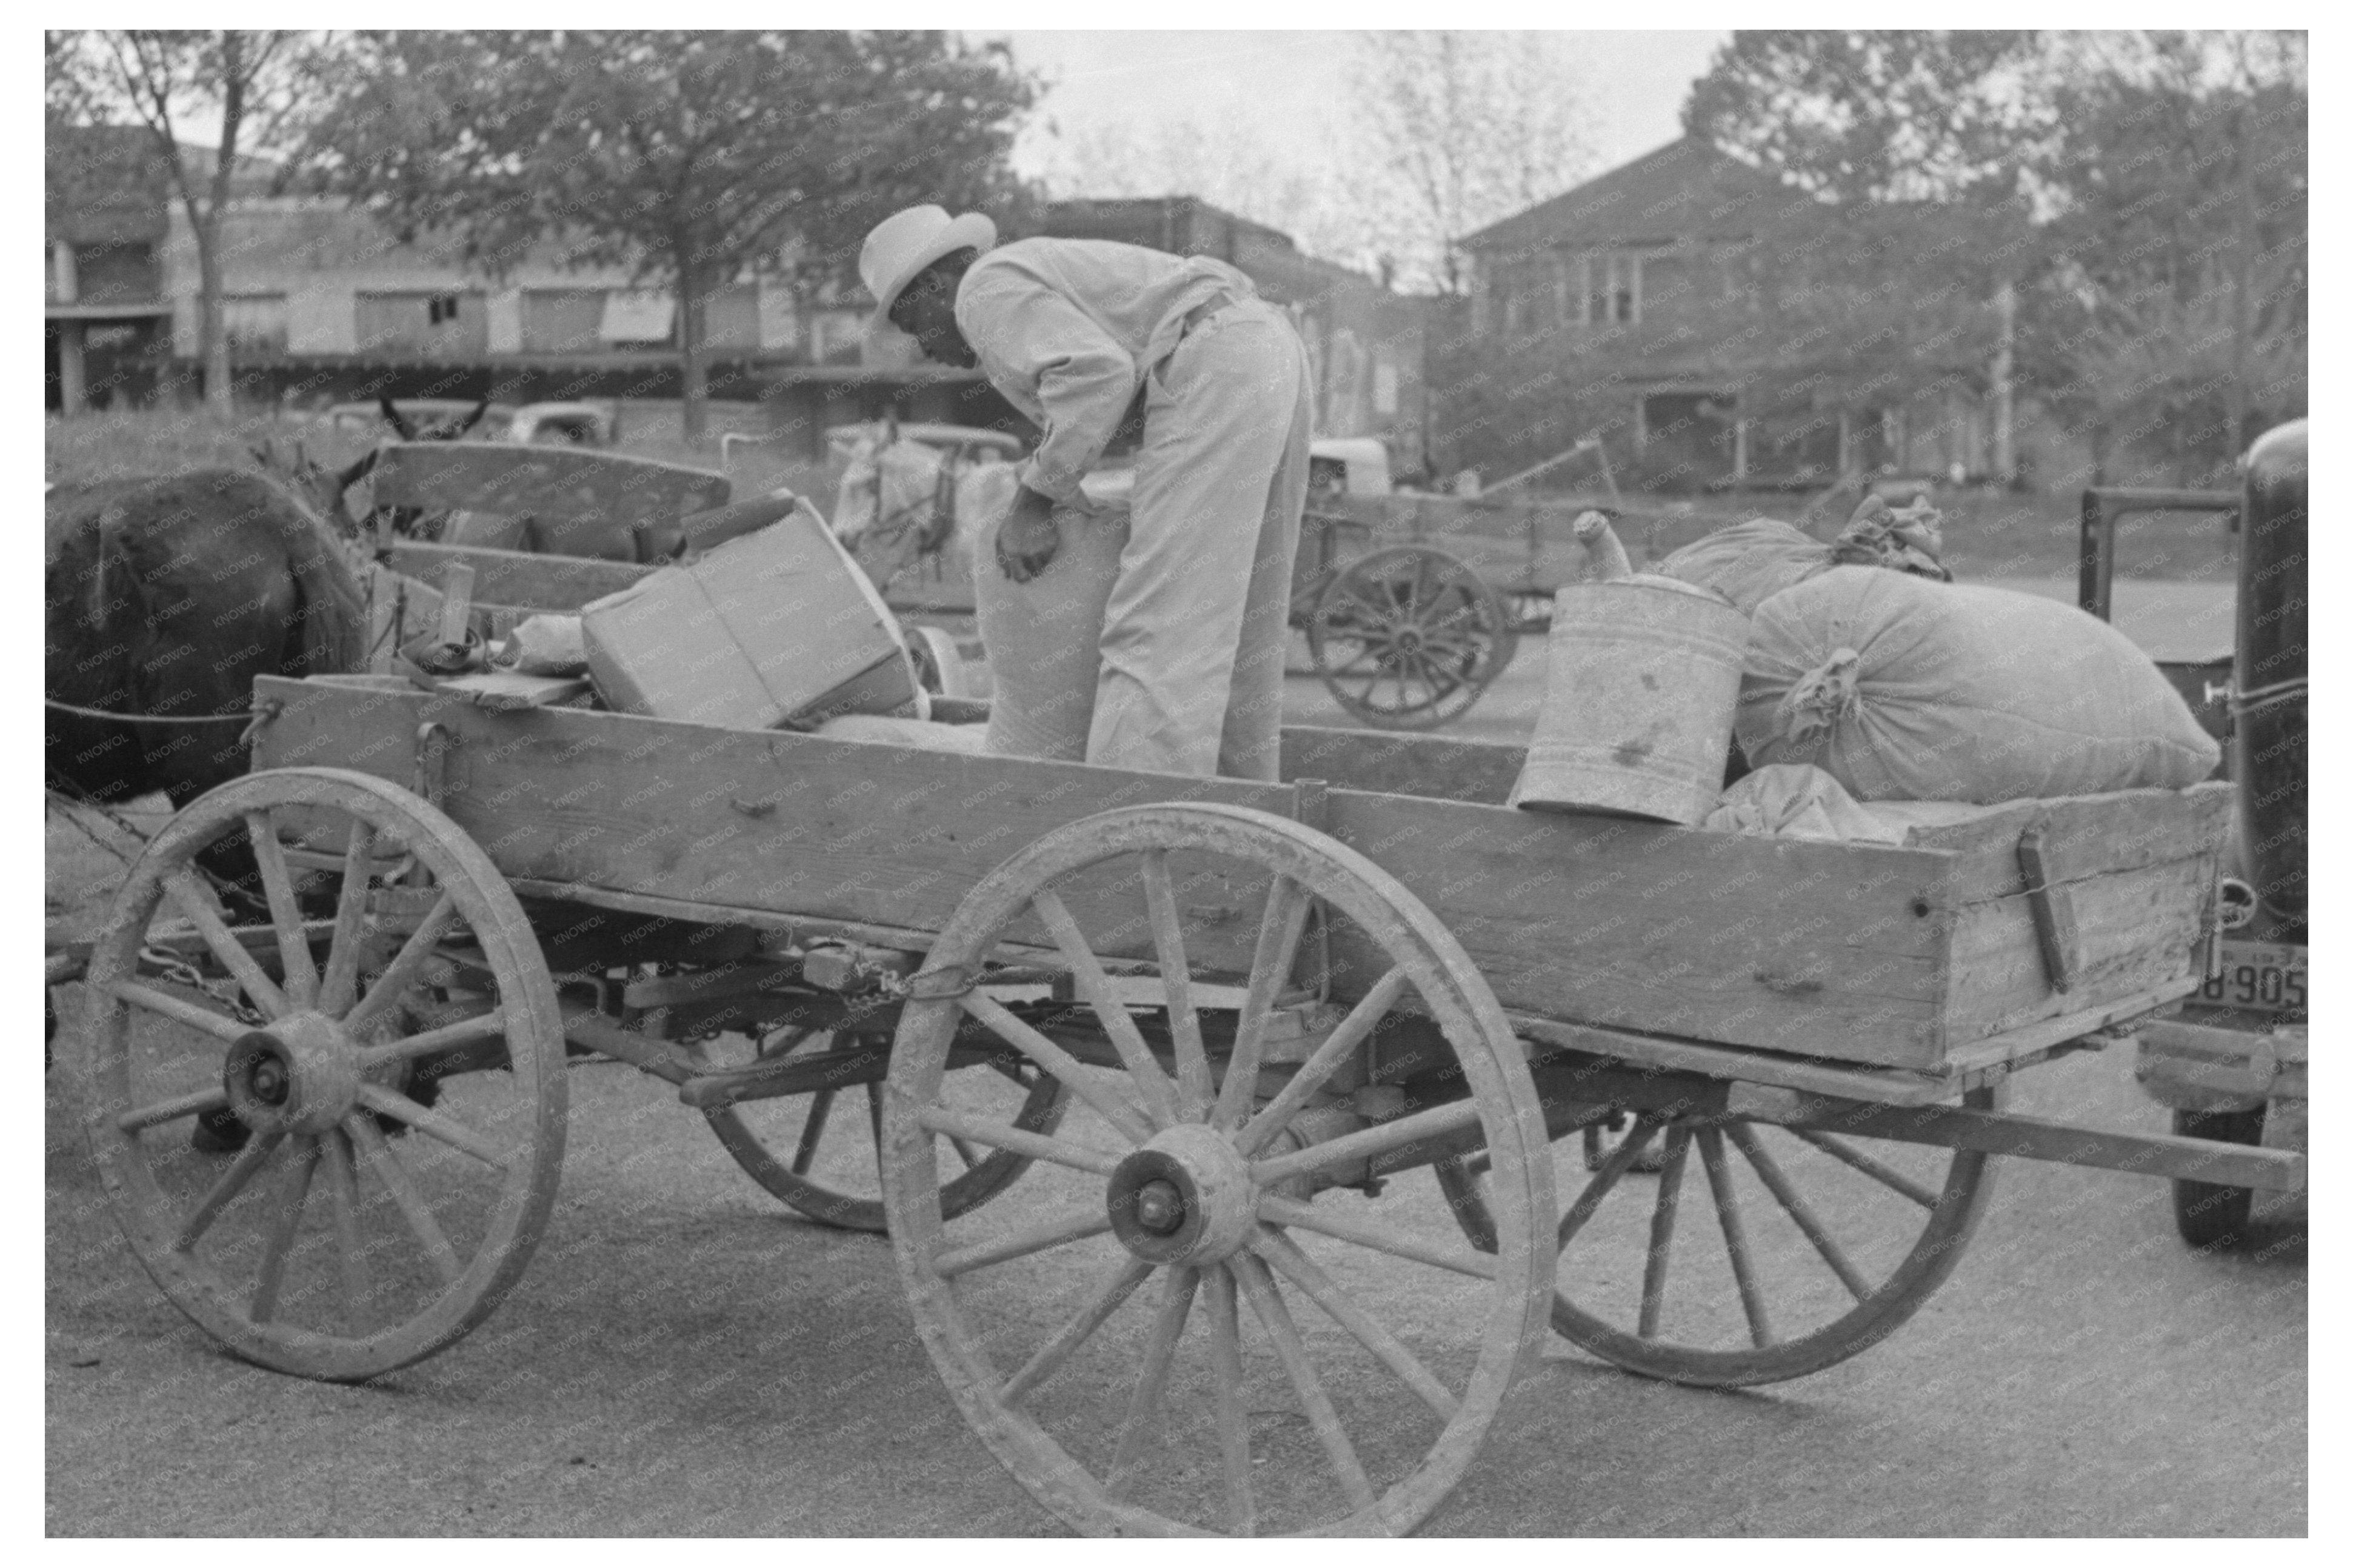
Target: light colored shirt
{"points": [[1065, 329]]}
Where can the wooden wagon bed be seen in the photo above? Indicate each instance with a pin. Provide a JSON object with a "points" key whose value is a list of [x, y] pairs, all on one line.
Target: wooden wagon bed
{"points": [[1938, 955]]}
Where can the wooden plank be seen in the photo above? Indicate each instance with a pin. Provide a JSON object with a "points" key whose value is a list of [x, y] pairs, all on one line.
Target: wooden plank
{"points": [[517, 579], [504, 690], [2105, 832], [2135, 930], [552, 483], [1435, 767], [1881, 1086], [1809, 947], [2032, 1138]]}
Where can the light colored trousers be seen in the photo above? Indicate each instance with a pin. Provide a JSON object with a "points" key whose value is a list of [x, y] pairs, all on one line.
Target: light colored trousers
{"points": [[1196, 634]]}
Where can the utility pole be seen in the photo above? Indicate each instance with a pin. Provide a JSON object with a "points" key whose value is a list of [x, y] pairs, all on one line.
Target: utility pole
{"points": [[2005, 444], [2242, 283]]}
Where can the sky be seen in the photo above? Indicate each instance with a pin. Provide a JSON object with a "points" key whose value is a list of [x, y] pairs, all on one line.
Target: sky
{"points": [[1286, 87]]}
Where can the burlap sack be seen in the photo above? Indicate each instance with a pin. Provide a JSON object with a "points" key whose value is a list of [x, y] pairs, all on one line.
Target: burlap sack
{"points": [[1905, 688], [1042, 636]]}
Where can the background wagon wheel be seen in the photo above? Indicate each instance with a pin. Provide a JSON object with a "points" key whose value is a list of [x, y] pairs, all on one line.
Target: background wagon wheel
{"points": [[313, 1242], [1173, 1182], [821, 1153], [1408, 637], [1825, 1243], [939, 665]]}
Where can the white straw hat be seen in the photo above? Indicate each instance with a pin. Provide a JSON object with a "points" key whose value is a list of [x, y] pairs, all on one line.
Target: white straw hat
{"points": [[906, 242]]}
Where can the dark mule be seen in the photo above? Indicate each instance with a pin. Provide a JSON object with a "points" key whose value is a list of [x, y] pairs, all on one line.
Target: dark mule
{"points": [[166, 597]]}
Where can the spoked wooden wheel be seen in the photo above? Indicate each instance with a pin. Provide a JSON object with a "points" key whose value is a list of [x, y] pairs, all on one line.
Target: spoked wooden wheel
{"points": [[1758, 1253], [1173, 1186], [821, 1153], [319, 1244], [1408, 637]]}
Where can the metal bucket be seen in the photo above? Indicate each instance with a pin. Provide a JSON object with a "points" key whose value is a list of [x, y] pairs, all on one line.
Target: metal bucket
{"points": [[1641, 680]]}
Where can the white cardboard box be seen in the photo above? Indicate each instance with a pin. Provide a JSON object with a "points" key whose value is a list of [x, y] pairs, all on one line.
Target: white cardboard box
{"points": [[776, 626]]}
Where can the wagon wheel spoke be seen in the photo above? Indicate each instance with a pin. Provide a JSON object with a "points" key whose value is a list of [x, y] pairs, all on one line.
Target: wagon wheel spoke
{"points": [[1053, 1233], [1232, 1414], [435, 1124], [1286, 1258], [162, 1003], [1193, 1086], [259, 988], [1736, 1240], [1839, 1148], [338, 984], [874, 1122], [1279, 929], [293, 942], [1277, 1112], [224, 1190], [1152, 1084], [960, 1129], [291, 1192], [1115, 1109], [1662, 1231], [1275, 1210], [1380, 1139], [407, 966], [1621, 1161], [171, 1109], [491, 1025], [1266, 1304], [1126, 1275], [381, 1159], [812, 1131], [344, 1202], [1744, 1137], [1152, 1382]]}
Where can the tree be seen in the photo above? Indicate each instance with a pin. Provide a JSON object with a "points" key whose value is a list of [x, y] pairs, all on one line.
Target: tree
{"points": [[1314, 198], [1468, 128], [690, 157], [2140, 194], [1878, 116], [2178, 286], [257, 87]]}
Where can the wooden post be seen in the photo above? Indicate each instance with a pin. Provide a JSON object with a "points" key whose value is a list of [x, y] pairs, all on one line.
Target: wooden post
{"points": [[1740, 450], [72, 384], [1846, 440]]}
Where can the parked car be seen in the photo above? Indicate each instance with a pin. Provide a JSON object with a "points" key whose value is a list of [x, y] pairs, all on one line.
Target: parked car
{"points": [[547, 423]]}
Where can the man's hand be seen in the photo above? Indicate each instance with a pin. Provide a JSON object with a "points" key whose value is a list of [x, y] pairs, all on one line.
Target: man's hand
{"points": [[1027, 539]]}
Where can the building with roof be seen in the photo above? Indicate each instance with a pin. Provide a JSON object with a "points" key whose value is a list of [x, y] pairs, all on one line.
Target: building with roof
{"points": [[1638, 306]]}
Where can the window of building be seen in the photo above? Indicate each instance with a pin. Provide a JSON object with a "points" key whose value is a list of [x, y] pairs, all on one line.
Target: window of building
{"points": [[255, 323], [1613, 282], [434, 323]]}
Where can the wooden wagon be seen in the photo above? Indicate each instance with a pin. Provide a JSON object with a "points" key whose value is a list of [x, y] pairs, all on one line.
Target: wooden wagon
{"points": [[537, 530], [1413, 605], [1111, 1055]]}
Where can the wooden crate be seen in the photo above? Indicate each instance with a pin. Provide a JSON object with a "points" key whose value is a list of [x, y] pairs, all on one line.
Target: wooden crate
{"points": [[1904, 957]]}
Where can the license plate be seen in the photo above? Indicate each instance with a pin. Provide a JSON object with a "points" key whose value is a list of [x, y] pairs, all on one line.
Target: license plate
{"points": [[2259, 977]]}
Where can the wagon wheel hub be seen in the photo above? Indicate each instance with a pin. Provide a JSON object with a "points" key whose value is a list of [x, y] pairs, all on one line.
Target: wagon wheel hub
{"points": [[301, 1075], [1186, 1197]]}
